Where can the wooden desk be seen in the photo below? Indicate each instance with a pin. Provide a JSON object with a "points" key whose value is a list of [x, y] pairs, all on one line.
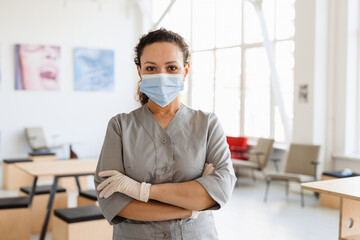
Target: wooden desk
{"points": [[56, 169], [349, 192]]}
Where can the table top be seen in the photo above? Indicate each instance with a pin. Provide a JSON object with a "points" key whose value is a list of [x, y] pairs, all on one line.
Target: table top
{"points": [[59, 167], [342, 187]]}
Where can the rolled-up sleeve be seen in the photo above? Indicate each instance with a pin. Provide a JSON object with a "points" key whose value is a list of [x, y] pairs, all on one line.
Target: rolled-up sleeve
{"points": [[111, 158], [221, 183]]}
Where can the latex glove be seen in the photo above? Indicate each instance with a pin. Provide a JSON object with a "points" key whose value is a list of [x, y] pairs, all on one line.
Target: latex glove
{"points": [[208, 169], [195, 214], [118, 182]]}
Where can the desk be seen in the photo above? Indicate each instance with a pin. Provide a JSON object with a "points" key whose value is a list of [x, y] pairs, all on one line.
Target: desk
{"points": [[56, 169], [349, 192], [333, 201]]}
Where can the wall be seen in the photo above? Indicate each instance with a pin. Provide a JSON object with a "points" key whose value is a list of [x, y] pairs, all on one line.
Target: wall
{"points": [[325, 53], [344, 76], [311, 69], [77, 117]]}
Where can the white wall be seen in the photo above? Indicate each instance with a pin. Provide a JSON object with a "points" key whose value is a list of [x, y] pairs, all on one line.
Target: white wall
{"points": [[325, 53], [345, 83], [78, 117], [311, 69]]}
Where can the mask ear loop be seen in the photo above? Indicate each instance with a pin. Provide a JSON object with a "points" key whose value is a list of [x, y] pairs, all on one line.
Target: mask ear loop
{"points": [[140, 96]]}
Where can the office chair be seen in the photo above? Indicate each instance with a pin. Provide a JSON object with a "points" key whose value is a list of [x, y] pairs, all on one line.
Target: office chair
{"points": [[238, 147], [301, 166], [36, 139], [258, 157]]}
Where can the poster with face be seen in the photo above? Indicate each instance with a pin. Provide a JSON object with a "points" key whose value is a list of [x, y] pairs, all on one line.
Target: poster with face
{"points": [[0, 64], [37, 67], [93, 69]]}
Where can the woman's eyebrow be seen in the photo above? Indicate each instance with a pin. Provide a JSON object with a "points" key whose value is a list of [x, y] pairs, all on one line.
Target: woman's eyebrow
{"points": [[148, 62], [171, 62]]}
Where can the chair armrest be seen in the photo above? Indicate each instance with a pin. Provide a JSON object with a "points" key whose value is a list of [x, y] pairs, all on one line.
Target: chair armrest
{"points": [[276, 161], [253, 152], [316, 164], [257, 154], [238, 149]]}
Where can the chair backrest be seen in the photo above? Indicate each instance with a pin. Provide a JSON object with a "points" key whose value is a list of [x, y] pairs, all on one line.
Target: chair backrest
{"points": [[36, 138], [264, 145], [300, 157], [240, 142]]}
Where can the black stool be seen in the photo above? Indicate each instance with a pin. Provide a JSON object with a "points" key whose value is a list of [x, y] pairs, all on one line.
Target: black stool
{"points": [[39, 203], [12, 177], [14, 218], [87, 197], [81, 223], [42, 156]]}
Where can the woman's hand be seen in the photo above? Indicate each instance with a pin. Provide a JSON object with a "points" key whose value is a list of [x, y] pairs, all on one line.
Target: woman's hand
{"points": [[118, 182], [208, 169]]}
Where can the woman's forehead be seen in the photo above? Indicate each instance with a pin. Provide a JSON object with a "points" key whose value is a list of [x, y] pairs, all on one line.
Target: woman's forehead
{"points": [[162, 52]]}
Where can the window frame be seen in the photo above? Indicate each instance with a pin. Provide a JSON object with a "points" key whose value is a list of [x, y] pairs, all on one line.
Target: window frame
{"points": [[244, 47]]}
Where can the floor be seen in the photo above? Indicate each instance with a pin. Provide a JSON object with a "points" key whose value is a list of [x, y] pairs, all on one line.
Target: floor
{"points": [[246, 216]]}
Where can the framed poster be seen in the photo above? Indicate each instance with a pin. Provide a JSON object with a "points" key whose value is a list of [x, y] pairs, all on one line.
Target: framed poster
{"points": [[93, 69], [37, 67], [0, 65]]}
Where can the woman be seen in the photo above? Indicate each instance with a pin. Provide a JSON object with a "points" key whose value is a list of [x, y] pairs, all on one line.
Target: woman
{"points": [[151, 179]]}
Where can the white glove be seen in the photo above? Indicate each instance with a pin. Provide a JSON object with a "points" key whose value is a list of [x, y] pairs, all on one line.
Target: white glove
{"points": [[118, 182], [208, 169], [194, 214]]}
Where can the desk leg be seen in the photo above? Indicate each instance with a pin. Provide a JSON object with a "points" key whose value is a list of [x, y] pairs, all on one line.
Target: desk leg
{"points": [[78, 183], [349, 219], [49, 208], [32, 191]]}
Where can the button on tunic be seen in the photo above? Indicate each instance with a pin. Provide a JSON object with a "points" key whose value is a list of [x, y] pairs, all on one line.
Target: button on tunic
{"points": [[136, 145]]}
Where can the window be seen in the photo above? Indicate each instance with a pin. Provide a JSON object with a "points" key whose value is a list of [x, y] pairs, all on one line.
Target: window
{"points": [[229, 72], [357, 143], [354, 4], [352, 116]]}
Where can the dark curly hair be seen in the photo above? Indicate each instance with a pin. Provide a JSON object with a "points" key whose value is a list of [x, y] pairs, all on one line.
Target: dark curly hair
{"points": [[160, 35]]}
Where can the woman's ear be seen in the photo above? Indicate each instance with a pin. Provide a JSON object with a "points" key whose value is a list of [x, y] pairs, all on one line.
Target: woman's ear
{"points": [[187, 68], [138, 70]]}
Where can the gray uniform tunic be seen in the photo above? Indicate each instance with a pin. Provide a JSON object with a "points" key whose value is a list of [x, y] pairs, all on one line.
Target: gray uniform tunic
{"points": [[136, 145]]}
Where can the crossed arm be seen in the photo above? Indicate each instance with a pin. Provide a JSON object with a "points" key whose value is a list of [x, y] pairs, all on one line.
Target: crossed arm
{"points": [[153, 211], [173, 201]]}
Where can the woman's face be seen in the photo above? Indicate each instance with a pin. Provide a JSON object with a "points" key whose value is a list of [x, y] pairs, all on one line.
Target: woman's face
{"points": [[162, 57], [39, 66]]}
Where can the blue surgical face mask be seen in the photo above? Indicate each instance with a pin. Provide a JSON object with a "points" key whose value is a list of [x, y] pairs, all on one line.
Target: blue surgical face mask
{"points": [[162, 88]]}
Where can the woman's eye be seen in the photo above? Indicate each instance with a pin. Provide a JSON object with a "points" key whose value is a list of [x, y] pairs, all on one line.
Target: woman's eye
{"points": [[173, 68], [150, 69]]}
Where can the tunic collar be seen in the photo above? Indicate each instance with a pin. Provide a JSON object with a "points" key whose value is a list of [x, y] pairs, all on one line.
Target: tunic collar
{"points": [[154, 129]]}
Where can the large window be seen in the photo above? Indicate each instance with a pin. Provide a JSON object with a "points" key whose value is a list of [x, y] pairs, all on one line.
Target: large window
{"points": [[229, 70], [355, 4], [352, 85]]}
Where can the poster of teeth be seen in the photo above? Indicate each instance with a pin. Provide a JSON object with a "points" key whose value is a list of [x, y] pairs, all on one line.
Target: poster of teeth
{"points": [[93, 69], [37, 67]]}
